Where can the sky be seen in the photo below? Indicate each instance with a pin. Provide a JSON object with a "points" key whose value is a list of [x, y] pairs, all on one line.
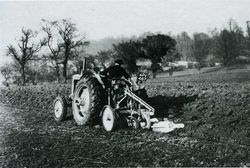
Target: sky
{"points": [[116, 18]]}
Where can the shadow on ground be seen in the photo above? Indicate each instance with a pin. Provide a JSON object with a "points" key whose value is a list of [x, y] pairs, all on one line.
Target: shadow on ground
{"points": [[169, 106]]}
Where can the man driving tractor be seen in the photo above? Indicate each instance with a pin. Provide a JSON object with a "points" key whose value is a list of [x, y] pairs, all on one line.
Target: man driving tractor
{"points": [[118, 71], [115, 71], [114, 74]]}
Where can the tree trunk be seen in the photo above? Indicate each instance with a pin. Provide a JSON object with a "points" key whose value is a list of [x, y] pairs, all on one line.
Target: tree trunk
{"points": [[154, 74], [57, 73], [65, 71], [171, 72], [67, 50], [23, 75]]}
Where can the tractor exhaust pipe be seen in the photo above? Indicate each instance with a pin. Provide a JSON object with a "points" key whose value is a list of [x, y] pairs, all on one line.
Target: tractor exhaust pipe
{"points": [[83, 65]]}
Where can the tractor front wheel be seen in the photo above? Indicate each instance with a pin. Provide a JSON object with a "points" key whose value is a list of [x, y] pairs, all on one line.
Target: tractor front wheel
{"points": [[60, 108], [109, 119]]}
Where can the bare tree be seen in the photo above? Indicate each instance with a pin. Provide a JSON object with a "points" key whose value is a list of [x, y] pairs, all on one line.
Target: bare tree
{"points": [[26, 51], [55, 48], [69, 42]]}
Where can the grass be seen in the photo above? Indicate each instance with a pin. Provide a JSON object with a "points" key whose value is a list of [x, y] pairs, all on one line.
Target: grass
{"points": [[241, 71]]}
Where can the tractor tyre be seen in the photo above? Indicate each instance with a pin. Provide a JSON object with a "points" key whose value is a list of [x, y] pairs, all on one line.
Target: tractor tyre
{"points": [[109, 119], [60, 108], [87, 101]]}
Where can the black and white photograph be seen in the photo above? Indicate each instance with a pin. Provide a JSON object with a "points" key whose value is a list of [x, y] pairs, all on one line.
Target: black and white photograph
{"points": [[124, 83]]}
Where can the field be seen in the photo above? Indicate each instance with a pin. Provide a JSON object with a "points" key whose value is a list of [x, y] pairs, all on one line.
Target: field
{"points": [[213, 106]]}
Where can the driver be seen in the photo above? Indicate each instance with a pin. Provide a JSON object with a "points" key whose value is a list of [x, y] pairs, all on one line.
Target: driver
{"points": [[115, 71]]}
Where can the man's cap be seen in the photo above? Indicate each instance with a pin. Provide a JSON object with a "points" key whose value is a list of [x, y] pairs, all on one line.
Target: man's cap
{"points": [[119, 61]]}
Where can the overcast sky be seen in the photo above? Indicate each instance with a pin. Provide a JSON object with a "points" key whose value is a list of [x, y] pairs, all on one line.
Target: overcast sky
{"points": [[99, 19]]}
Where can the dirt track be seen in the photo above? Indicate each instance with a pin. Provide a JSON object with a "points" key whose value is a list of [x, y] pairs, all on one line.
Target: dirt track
{"points": [[30, 139]]}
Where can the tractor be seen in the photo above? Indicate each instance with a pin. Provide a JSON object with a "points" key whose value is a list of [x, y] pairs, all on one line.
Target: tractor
{"points": [[92, 102]]}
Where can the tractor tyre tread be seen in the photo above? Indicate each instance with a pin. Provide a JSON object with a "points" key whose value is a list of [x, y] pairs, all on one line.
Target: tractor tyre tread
{"points": [[96, 105]]}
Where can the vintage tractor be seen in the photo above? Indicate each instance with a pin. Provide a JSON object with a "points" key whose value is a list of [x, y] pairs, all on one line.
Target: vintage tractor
{"points": [[92, 101]]}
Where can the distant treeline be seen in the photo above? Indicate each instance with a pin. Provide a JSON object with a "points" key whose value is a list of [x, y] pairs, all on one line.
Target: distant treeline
{"points": [[55, 52]]}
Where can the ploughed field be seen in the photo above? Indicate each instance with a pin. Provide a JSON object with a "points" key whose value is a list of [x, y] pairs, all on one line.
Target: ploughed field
{"points": [[215, 108]]}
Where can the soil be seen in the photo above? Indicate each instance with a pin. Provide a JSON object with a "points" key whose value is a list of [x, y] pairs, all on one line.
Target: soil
{"points": [[214, 109], [30, 139]]}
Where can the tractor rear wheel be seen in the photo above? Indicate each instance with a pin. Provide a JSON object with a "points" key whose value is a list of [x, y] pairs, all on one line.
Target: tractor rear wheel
{"points": [[87, 101]]}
